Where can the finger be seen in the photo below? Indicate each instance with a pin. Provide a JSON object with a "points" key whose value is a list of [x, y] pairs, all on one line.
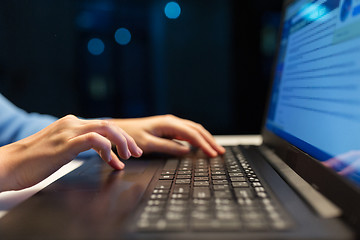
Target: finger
{"points": [[97, 142], [135, 151], [207, 136], [115, 162], [156, 144], [125, 143], [186, 133]]}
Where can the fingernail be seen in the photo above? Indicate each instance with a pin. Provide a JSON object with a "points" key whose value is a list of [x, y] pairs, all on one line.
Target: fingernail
{"points": [[139, 151], [122, 165], [128, 154], [110, 158]]}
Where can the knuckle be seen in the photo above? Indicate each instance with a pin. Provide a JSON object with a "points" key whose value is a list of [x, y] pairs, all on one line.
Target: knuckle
{"points": [[199, 125], [68, 119], [169, 117], [92, 138], [105, 125]]}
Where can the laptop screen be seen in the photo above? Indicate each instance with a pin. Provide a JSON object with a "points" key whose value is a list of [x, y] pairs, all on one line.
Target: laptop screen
{"points": [[315, 100]]}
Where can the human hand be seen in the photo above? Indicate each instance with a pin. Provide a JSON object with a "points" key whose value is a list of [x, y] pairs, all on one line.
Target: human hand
{"points": [[155, 134], [30, 160]]}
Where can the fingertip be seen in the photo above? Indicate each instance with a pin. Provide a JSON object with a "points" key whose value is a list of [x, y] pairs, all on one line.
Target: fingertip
{"points": [[139, 152], [178, 150], [115, 163], [121, 165], [124, 153], [136, 152], [221, 149], [213, 153], [184, 150]]}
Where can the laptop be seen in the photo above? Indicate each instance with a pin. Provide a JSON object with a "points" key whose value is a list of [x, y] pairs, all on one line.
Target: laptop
{"points": [[303, 182]]}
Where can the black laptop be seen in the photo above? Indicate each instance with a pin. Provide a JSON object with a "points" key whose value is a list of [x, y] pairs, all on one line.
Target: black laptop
{"points": [[303, 182]]}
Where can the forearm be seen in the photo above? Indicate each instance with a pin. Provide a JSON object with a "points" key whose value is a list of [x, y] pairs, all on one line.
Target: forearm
{"points": [[16, 124]]}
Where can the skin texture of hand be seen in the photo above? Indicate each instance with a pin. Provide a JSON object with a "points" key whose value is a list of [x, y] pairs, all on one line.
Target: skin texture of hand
{"points": [[30, 160], [155, 134]]}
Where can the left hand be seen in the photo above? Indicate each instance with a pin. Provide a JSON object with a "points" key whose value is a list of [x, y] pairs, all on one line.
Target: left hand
{"points": [[156, 134]]}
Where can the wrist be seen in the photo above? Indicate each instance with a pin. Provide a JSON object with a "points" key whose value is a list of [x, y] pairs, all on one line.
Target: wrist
{"points": [[3, 172]]}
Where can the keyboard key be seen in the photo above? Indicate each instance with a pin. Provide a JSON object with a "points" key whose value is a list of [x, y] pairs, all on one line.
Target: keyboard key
{"points": [[236, 174], [184, 172], [163, 184], [161, 191], [261, 194], [201, 183], [158, 196], [238, 179], [227, 215], [177, 208], [200, 202], [181, 202], [222, 194], [183, 176], [185, 168], [218, 177], [201, 215], [243, 193], [180, 196], [201, 174], [153, 209], [221, 187], [217, 168], [240, 184], [182, 181], [165, 177], [201, 192], [201, 178], [181, 189], [167, 172], [156, 203], [220, 182]]}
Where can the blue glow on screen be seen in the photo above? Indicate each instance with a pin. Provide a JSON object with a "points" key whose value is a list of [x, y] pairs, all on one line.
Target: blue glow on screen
{"points": [[96, 46], [122, 36], [315, 102], [172, 10]]}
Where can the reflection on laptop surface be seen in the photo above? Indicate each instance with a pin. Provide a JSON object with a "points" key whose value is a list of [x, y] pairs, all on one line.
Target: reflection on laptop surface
{"points": [[302, 182]]}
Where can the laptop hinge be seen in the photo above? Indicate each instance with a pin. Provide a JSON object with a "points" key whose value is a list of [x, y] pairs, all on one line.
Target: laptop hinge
{"points": [[322, 206]]}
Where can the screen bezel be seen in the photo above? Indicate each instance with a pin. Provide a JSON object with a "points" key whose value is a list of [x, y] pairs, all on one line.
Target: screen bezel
{"points": [[323, 179]]}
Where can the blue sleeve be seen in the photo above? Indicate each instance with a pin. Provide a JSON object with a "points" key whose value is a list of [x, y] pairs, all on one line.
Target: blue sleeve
{"points": [[16, 124]]}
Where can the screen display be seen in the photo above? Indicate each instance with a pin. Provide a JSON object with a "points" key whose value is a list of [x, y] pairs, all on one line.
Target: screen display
{"points": [[315, 101]]}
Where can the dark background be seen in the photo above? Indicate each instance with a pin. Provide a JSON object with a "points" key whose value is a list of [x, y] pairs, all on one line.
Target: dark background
{"points": [[212, 64]]}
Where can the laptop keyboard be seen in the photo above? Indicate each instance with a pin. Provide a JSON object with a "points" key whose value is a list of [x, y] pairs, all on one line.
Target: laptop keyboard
{"points": [[216, 194]]}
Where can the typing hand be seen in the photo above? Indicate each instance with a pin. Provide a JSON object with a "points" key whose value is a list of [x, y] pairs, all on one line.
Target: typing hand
{"points": [[155, 134], [30, 160]]}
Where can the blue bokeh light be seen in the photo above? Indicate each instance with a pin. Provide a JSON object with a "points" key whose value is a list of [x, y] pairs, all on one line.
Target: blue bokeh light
{"points": [[172, 10], [96, 46], [122, 36]]}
